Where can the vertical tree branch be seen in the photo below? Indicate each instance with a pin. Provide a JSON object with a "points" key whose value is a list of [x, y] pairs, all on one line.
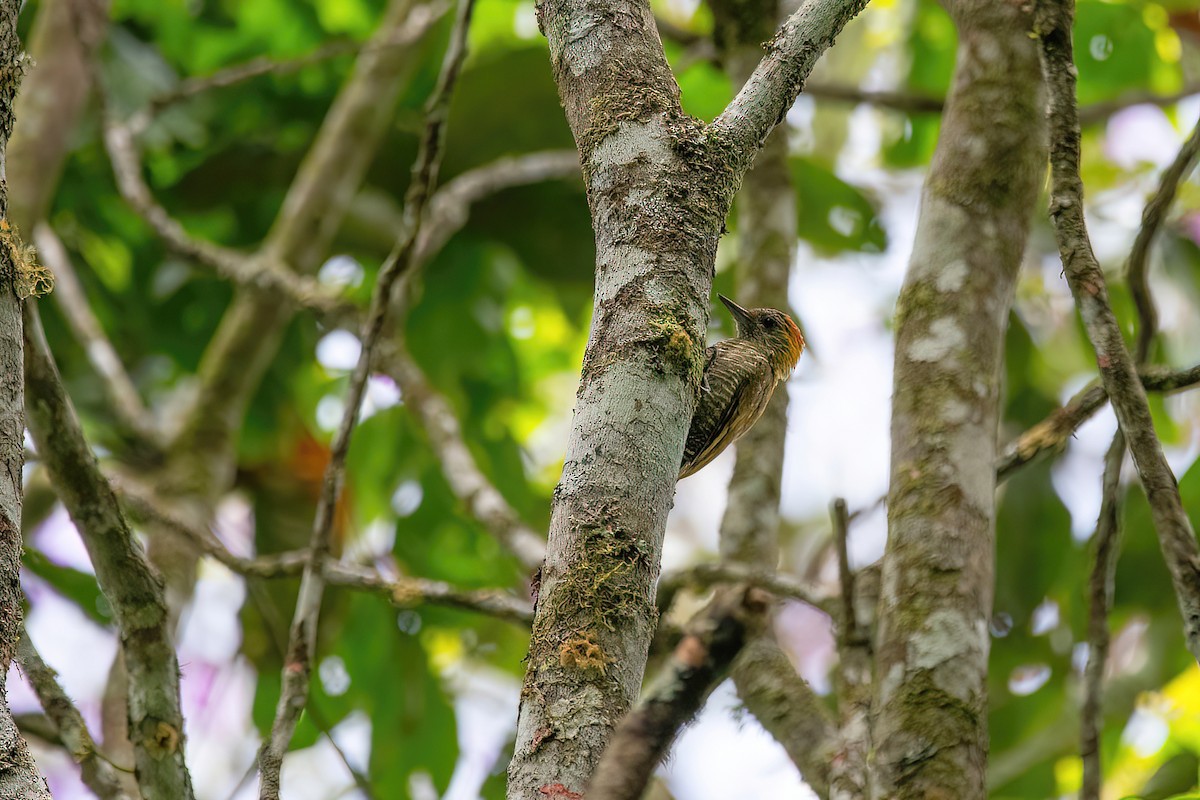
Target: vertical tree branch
{"points": [[1107, 545], [135, 592], [22, 779], [849, 777], [297, 669], [249, 334], [1138, 268], [1107, 538], [64, 41], [766, 680], [659, 185], [1176, 535], [930, 732], [98, 775]]}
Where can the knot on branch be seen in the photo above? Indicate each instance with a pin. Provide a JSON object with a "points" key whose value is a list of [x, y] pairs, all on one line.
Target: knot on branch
{"points": [[162, 739]]}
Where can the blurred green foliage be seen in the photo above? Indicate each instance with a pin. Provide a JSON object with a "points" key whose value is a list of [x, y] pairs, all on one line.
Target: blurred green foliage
{"points": [[501, 320]]}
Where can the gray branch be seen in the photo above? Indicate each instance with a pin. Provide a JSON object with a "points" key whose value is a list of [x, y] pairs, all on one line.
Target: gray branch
{"points": [[98, 774], [1117, 371], [302, 640], [929, 711], [134, 591]]}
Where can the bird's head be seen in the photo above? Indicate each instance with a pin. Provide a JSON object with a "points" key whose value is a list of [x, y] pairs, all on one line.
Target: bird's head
{"points": [[774, 330]]}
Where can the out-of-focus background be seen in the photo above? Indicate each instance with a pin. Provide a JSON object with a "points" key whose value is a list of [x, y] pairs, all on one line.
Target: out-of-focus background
{"points": [[422, 702]]}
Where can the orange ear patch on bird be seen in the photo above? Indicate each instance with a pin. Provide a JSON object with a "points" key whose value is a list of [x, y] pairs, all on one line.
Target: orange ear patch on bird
{"points": [[795, 340]]}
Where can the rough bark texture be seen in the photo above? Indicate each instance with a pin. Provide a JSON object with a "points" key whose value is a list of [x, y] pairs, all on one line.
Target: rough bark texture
{"points": [[98, 774], [656, 224], [713, 639], [19, 777], [659, 185], [930, 732], [1175, 533], [135, 592]]}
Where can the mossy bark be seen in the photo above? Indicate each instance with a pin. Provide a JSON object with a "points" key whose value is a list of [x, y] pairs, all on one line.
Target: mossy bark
{"points": [[659, 186], [930, 732], [20, 777]]}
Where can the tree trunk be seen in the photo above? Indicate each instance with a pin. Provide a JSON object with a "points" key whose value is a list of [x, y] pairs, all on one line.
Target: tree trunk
{"points": [[932, 644], [659, 186], [19, 777]]}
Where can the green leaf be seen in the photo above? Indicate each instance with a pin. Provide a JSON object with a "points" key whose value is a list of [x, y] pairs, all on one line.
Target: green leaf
{"points": [[77, 586], [832, 214]]}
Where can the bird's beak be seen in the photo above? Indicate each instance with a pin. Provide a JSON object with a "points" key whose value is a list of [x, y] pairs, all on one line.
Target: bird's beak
{"points": [[740, 315]]}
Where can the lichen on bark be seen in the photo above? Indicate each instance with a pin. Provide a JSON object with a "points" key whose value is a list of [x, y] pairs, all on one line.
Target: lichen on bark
{"points": [[930, 731], [659, 186]]}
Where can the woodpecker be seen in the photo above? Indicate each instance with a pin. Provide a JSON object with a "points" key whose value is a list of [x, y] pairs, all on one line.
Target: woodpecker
{"points": [[739, 376]]}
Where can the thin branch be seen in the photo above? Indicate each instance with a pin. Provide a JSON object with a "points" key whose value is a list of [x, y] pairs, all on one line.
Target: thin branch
{"points": [[403, 591], [788, 708], [848, 631], [1101, 111], [133, 590], [406, 592], [907, 103], [1176, 536], [903, 102], [848, 776], [451, 204], [1052, 433], [123, 397], [1155, 213], [248, 270], [713, 639], [1107, 538], [419, 22], [772, 89], [98, 774], [1107, 544], [240, 73], [481, 499], [303, 635], [704, 576]]}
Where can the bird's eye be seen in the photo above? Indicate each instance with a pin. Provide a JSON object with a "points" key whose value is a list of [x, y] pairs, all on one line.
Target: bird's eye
{"points": [[769, 323]]}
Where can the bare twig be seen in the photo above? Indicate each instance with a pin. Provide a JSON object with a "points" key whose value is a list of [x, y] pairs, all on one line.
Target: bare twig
{"points": [[303, 635], [772, 89], [714, 638], [848, 776], [248, 270], [403, 591], [1052, 433], [135, 593], [98, 774], [466, 480], [1107, 538], [123, 397], [922, 104], [703, 576], [1176, 536], [406, 592], [416, 26], [451, 204], [248, 70], [848, 625], [1101, 111], [1138, 267], [1107, 544]]}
